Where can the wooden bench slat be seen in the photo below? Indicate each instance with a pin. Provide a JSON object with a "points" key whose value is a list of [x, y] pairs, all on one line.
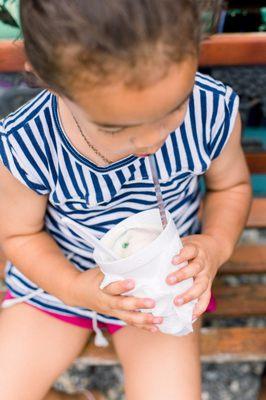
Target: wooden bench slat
{"points": [[233, 344], [256, 161], [234, 49], [247, 259], [241, 301], [257, 217], [217, 344], [12, 56], [219, 49]]}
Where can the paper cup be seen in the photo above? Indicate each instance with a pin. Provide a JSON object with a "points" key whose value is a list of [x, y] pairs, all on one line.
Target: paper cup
{"points": [[149, 267]]}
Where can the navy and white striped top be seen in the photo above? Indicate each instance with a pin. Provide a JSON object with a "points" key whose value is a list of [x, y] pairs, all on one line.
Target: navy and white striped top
{"points": [[34, 147]]}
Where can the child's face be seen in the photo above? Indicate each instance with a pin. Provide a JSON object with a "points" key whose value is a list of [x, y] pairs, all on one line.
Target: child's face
{"points": [[127, 120]]}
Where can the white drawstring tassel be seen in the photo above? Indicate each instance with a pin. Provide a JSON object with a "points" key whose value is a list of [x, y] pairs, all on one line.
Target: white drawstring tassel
{"points": [[100, 340], [11, 302]]}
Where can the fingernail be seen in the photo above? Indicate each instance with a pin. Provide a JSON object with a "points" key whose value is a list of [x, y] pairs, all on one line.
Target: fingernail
{"points": [[129, 284], [176, 260], [154, 329], [149, 303], [179, 302], [171, 279]]}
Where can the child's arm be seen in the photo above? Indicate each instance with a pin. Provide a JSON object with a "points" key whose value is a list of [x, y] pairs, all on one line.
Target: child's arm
{"points": [[37, 255], [228, 198], [225, 212]]}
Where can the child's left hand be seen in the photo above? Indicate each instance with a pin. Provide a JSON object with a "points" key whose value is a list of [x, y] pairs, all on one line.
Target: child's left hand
{"points": [[202, 252]]}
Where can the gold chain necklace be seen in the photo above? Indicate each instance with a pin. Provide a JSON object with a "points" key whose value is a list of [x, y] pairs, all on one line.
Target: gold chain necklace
{"points": [[96, 151]]}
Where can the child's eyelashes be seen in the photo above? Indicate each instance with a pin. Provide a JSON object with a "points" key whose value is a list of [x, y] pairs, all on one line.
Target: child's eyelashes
{"points": [[113, 131]]}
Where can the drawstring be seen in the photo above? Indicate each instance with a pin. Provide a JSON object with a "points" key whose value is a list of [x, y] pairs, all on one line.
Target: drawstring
{"points": [[11, 302], [99, 340]]}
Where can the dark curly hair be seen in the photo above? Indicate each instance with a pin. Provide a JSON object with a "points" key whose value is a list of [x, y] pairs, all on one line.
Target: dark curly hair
{"points": [[68, 41]]}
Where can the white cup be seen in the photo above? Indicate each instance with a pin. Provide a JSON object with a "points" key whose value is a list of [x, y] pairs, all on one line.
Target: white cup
{"points": [[148, 267]]}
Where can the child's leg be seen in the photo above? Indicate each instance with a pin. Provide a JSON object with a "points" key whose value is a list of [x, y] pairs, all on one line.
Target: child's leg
{"points": [[35, 349], [159, 366]]}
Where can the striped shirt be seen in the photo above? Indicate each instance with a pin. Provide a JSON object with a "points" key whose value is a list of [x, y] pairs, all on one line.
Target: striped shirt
{"points": [[35, 148]]}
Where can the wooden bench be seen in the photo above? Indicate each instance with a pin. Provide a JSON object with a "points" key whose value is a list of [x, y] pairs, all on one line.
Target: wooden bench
{"points": [[230, 344], [219, 49]]}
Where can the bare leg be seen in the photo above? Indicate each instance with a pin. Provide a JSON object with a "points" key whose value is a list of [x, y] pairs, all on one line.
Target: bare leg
{"points": [[35, 349], [159, 366]]}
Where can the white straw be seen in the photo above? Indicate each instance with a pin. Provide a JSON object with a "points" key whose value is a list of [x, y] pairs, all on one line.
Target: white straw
{"points": [[158, 191]]}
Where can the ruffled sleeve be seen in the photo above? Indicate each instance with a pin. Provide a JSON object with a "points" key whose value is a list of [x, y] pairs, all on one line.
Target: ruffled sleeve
{"points": [[224, 116], [24, 159]]}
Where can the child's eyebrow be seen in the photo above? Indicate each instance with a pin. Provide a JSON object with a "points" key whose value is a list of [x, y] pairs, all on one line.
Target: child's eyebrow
{"points": [[110, 126]]}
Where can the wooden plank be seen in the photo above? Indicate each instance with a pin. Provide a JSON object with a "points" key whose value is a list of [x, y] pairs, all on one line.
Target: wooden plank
{"points": [[99, 355], [217, 345], [234, 49], [219, 49], [11, 56], [257, 161], [257, 217], [233, 344], [239, 301], [247, 259]]}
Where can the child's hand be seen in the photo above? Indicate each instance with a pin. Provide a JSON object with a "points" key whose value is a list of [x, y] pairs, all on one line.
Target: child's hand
{"points": [[85, 292], [201, 252]]}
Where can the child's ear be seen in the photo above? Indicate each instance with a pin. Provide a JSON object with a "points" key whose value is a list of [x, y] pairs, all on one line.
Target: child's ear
{"points": [[31, 71], [28, 67], [33, 78]]}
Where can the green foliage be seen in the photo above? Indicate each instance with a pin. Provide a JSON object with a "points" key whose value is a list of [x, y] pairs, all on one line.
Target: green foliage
{"points": [[9, 12]]}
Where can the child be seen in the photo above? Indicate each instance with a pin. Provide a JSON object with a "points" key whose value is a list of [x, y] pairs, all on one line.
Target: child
{"points": [[121, 83]]}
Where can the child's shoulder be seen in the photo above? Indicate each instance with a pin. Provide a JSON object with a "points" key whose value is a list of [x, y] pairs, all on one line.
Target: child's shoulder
{"points": [[25, 114], [210, 85], [214, 97]]}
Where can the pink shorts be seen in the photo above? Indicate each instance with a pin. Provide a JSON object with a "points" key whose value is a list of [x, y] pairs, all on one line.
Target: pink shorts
{"points": [[86, 323]]}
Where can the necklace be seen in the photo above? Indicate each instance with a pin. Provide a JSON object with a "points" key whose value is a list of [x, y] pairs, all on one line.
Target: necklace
{"points": [[96, 151]]}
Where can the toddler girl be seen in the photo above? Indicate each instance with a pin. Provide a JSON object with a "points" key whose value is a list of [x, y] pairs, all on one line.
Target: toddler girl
{"points": [[120, 83]]}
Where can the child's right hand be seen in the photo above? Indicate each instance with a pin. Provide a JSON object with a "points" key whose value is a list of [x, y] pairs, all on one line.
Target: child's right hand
{"points": [[85, 292]]}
